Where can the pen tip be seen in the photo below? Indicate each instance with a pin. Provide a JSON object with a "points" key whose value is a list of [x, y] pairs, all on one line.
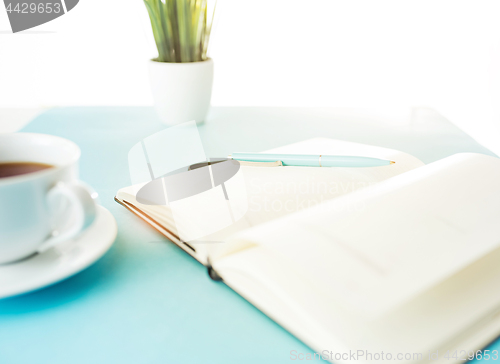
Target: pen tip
{"points": [[392, 162]]}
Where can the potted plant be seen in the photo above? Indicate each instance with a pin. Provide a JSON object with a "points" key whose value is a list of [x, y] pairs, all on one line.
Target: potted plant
{"points": [[182, 74]]}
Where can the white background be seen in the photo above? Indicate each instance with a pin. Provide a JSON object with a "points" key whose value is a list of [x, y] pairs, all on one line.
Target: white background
{"points": [[349, 53]]}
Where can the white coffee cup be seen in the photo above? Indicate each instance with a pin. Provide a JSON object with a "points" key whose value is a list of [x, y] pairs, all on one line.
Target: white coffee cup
{"points": [[41, 209]]}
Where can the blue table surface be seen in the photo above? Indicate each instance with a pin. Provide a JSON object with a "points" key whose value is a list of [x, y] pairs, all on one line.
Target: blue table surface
{"points": [[146, 301]]}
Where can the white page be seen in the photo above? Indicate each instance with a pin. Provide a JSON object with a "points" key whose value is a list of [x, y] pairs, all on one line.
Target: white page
{"points": [[279, 191], [261, 194], [381, 246], [451, 316]]}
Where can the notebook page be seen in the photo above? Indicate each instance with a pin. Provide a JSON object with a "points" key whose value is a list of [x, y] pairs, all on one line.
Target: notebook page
{"points": [[381, 246], [308, 311], [260, 194], [270, 193]]}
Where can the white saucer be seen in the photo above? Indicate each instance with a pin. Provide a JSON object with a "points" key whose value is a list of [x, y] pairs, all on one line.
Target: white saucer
{"points": [[62, 261]]}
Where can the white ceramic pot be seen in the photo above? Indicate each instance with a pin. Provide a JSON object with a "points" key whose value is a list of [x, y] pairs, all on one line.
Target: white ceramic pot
{"points": [[181, 91]]}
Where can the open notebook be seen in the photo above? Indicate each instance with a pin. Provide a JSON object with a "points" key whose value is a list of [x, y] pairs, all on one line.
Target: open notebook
{"points": [[402, 259]]}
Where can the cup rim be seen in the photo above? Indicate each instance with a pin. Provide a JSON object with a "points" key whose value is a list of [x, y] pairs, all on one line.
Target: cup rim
{"points": [[35, 175]]}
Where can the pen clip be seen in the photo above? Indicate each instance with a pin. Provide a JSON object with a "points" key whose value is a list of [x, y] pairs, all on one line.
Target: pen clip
{"points": [[205, 164]]}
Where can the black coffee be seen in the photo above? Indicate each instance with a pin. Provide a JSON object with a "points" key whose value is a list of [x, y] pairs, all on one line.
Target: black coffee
{"points": [[16, 168]]}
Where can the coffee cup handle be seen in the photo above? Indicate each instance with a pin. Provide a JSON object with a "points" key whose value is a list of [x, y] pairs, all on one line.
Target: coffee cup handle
{"points": [[69, 199]]}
